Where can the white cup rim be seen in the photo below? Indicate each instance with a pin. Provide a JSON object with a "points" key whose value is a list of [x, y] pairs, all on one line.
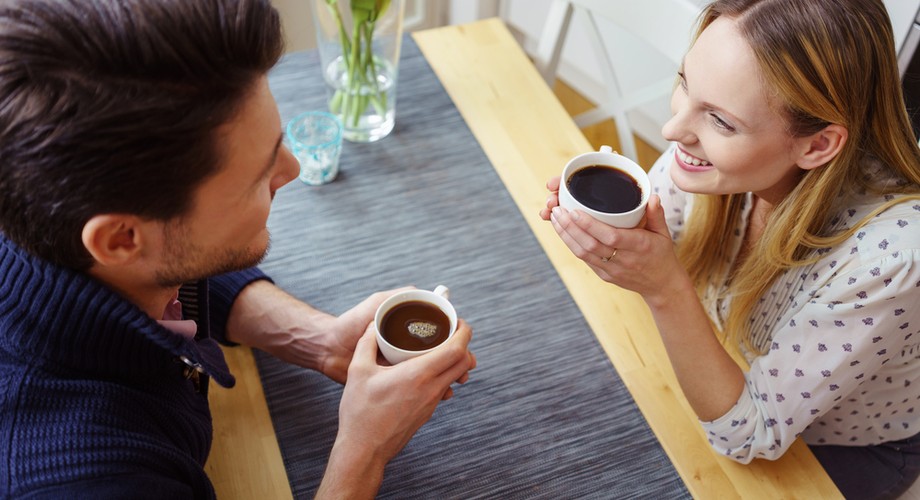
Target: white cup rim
{"points": [[607, 158], [427, 296]]}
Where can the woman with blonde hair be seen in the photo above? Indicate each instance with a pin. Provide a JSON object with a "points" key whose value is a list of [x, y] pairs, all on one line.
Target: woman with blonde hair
{"points": [[785, 227]]}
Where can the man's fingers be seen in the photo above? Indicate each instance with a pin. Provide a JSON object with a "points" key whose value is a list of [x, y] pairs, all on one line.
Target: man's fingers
{"points": [[366, 349]]}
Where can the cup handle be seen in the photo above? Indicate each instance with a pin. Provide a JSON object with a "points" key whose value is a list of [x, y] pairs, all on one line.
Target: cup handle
{"points": [[443, 291]]}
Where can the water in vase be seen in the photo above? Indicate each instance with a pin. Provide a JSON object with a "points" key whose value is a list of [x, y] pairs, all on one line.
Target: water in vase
{"points": [[367, 108]]}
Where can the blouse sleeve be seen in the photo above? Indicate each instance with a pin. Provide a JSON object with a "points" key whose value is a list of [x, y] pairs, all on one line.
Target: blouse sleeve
{"points": [[844, 333]]}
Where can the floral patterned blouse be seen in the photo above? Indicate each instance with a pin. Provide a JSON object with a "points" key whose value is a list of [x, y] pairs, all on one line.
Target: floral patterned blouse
{"points": [[842, 336]]}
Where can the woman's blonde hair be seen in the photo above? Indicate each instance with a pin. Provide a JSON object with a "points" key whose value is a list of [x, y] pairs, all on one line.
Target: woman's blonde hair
{"points": [[828, 62]]}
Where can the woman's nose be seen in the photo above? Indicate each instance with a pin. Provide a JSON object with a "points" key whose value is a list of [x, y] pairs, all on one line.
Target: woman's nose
{"points": [[678, 128]]}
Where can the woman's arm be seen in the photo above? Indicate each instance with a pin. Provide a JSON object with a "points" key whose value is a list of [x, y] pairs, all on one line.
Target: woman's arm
{"points": [[645, 262]]}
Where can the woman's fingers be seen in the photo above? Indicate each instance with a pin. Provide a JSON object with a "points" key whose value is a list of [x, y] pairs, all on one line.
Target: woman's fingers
{"points": [[583, 235]]}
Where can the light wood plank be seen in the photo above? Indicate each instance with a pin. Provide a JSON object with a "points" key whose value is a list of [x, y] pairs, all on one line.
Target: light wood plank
{"points": [[245, 460], [528, 136]]}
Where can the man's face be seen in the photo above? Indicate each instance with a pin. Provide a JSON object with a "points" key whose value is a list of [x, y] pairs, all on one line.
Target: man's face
{"points": [[225, 229]]}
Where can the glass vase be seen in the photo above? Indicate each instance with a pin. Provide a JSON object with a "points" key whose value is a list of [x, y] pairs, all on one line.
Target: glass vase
{"points": [[359, 43]]}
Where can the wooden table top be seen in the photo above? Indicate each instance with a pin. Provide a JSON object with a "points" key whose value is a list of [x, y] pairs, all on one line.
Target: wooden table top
{"points": [[528, 137]]}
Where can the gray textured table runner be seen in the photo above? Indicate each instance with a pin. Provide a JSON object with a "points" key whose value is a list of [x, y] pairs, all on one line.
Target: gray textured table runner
{"points": [[545, 414]]}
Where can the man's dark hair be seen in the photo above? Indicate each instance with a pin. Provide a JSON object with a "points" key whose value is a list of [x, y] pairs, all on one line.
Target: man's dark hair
{"points": [[111, 106]]}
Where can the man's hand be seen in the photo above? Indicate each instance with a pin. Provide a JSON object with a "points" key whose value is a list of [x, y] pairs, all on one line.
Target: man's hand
{"points": [[383, 406], [346, 330]]}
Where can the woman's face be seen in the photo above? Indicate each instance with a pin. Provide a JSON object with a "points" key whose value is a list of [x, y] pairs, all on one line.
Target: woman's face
{"points": [[730, 134]]}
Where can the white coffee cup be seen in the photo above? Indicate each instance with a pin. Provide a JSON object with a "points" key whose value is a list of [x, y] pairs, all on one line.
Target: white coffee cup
{"points": [[436, 298], [606, 156]]}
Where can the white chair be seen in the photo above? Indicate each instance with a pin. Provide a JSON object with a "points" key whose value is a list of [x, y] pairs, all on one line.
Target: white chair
{"points": [[664, 25]]}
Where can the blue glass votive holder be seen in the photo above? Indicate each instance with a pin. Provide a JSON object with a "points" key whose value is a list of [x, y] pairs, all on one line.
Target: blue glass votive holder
{"points": [[315, 139]]}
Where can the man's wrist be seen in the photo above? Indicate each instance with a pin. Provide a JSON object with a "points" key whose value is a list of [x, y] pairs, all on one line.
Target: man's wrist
{"points": [[353, 471]]}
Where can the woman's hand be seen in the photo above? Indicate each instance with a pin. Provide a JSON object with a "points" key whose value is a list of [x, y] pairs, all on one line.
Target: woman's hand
{"points": [[552, 201], [641, 259]]}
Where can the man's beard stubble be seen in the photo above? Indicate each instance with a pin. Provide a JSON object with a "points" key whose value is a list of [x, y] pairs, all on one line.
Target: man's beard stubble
{"points": [[188, 263]]}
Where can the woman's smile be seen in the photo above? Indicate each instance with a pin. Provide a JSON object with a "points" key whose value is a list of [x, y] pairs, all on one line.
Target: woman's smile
{"points": [[689, 162]]}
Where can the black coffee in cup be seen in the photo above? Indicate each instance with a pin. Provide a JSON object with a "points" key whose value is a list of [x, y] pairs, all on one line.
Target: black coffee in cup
{"points": [[415, 326], [605, 189]]}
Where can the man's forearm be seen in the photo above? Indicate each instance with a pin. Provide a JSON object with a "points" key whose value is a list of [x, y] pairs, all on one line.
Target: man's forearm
{"points": [[266, 317]]}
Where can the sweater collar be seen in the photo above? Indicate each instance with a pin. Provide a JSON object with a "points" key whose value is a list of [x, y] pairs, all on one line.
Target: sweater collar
{"points": [[63, 319]]}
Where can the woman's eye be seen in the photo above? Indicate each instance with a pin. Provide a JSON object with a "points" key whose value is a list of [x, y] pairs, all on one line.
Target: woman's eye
{"points": [[720, 123]]}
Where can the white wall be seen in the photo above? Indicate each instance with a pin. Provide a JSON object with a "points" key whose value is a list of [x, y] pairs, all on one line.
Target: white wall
{"points": [[577, 66], [297, 24], [902, 14], [465, 11], [299, 34]]}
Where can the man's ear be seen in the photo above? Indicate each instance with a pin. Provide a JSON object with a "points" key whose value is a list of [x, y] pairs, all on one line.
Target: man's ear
{"points": [[821, 147], [113, 239]]}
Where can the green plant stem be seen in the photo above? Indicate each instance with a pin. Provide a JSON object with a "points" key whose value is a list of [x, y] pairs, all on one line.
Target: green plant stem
{"points": [[343, 37], [360, 87]]}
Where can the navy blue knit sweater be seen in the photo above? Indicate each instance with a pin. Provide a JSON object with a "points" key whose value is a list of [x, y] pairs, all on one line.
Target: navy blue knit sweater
{"points": [[94, 399]]}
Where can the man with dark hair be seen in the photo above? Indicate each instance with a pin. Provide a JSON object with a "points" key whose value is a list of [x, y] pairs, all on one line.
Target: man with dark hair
{"points": [[140, 149]]}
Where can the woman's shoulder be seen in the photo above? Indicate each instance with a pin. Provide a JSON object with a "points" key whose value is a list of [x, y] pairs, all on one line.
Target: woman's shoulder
{"points": [[893, 231]]}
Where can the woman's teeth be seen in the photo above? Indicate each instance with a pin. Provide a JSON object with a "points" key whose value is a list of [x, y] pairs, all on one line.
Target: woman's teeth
{"points": [[692, 160]]}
